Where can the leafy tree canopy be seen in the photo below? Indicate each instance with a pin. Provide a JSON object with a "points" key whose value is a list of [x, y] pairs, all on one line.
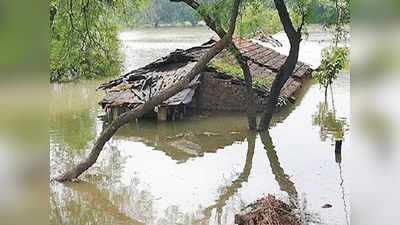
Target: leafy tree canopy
{"points": [[83, 37]]}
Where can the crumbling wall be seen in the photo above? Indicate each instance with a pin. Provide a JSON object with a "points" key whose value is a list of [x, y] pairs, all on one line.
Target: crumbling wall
{"points": [[224, 93]]}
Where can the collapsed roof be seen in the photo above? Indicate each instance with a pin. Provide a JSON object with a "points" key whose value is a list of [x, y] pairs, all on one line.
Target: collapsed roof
{"points": [[138, 86]]}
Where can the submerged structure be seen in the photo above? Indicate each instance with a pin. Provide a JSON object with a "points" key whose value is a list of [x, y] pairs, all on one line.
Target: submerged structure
{"points": [[211, 90]]}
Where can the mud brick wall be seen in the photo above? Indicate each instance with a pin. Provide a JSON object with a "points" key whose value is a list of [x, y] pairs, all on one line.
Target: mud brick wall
{"points": [[216, 94]]}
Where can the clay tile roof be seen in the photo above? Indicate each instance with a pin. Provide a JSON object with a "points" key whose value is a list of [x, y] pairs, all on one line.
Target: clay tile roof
{"points": [[137, 86]]}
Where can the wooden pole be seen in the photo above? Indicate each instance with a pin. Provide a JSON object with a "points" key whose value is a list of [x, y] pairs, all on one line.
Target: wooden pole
{"points": [[162, 113], [338, 146]]}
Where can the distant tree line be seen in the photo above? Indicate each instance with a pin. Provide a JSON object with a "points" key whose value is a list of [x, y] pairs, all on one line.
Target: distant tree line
{"points": [[163, 12]]}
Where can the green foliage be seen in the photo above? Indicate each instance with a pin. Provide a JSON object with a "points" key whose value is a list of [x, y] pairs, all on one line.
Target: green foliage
{"points": [[262, 82], [83, 38], [255, 17], [226, 62], [329, 125], [336, 14], [157, 12], [229, 68], [333, 61]]}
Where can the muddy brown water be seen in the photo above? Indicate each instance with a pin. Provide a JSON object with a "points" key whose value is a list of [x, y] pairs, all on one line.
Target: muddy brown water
{"points": [[201, 170]]}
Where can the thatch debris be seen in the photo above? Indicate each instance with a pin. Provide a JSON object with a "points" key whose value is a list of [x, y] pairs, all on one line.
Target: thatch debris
{"points": [[268, 211]]}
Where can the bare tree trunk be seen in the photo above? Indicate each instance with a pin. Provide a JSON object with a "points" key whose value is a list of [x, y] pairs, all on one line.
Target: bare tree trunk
{"points": [[251, 109], [283, 75], [251, 106], [287, 68], [153, 102]]}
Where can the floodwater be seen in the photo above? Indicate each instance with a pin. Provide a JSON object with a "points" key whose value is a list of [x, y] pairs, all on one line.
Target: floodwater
{"points": [[205, 168]]}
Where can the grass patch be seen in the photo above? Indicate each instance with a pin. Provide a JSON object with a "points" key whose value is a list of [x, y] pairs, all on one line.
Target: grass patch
{"points": [[262, 82], [228, 64], [228, 68]]}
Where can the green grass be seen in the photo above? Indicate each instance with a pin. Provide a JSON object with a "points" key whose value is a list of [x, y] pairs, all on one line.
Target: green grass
{"points": [[262, 82], [226, 64], [228, 68]]}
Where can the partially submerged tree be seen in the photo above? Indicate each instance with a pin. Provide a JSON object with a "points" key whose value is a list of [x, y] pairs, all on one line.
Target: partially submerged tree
{"points": [[214, 14], [153, 102], [294, 36], [335, 58], [336, 13]]}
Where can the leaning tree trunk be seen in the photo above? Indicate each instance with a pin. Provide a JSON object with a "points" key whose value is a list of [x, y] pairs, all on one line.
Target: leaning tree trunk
{"points": [[251, 109], [283, 75], [153, 102], [251, 106], [287, 68]]}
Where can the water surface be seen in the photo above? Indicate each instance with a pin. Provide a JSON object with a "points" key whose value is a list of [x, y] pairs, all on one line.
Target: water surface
{"points": [[201, 170]]}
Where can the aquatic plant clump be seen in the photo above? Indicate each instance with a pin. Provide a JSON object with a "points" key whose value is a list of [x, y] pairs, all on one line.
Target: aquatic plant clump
{"points": [[268, 211]]}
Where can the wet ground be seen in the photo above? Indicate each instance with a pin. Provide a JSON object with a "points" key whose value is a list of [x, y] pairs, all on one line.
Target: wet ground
{"points": [[205, 168]]}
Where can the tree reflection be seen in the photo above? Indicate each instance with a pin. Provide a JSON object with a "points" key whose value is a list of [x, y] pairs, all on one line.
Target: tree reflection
{"points": [[330, 126], [73, 129], [284, 182], [235, 185], [90, 205]]}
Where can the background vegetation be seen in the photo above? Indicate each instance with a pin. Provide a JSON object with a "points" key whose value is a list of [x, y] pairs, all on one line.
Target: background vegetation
{"points": [[163, 12], [83, 37], [83, 34]]}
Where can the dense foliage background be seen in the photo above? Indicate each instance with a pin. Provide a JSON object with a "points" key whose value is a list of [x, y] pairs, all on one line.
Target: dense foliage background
{"points": [[83, 33], [83, 37]]}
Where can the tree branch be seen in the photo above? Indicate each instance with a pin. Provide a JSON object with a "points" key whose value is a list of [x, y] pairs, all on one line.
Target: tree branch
{"points": [[239, 57], [70, 13], [303, 16], [210, 22], [285, 19], [153, 102]]}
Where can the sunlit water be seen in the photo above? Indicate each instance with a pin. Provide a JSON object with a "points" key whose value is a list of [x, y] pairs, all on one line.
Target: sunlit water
{"points": [[201, 170]]}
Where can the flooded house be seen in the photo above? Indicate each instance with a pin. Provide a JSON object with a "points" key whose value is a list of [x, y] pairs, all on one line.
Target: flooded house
{"points": [[211, 90]]}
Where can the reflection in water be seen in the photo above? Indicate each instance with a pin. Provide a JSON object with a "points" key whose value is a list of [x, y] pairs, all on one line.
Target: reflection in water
{"points": [[330, 126], [284, 182], [345, 207], [89, 204], [189, 138], [230, 190], [201, 170], [73, 112]]}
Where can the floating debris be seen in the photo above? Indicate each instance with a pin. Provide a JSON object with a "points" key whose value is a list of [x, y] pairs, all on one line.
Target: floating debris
{"points": [[268, 211], [326, 206], [210, 134]]}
